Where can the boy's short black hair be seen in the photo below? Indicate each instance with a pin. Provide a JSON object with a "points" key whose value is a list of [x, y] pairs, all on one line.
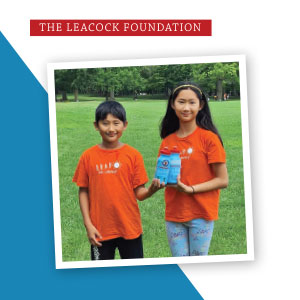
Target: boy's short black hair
{"points": [[110, 107]]}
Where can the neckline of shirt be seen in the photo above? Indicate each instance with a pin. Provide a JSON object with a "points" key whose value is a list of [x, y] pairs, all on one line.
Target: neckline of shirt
{"points": [[110, 150], [188, 136]]}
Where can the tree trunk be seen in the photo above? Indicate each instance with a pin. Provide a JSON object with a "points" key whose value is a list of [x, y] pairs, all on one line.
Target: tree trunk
{"points": [[219, 89], [76, 95], [112, 94], [64, 96], [166, 92], [235, 93]]}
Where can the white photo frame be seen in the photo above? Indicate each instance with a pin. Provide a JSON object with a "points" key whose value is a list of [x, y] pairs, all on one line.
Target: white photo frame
{"points": [[60, 264]]}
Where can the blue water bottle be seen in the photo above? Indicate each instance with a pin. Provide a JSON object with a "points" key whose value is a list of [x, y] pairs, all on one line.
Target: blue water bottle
{"points": [[175, 165], [163, 165]]}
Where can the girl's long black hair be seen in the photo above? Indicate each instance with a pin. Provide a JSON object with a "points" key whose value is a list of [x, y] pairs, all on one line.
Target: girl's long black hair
{"points": [[170, 122]]}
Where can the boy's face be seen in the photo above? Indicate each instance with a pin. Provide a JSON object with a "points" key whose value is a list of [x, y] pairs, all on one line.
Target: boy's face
{"points": [[111, 129]]}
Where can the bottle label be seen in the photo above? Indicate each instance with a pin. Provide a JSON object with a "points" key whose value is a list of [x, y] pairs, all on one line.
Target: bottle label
{"points": [[175, 165], [164, 164], [162, 170]]}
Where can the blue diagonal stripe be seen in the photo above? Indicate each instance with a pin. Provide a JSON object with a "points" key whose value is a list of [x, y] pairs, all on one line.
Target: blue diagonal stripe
{"points": [[27, 235]]}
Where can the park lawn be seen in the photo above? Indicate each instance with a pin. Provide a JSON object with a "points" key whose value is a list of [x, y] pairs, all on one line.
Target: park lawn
{"points": [[75, 133]]}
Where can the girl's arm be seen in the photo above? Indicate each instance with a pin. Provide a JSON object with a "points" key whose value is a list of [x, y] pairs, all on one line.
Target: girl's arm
{"points": [[220, 181], [142, 193], [92, 232]]}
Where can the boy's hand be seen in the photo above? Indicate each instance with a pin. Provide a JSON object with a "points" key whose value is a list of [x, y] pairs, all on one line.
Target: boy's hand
{"points": [[142, 193], [155, 186], [93, 234]]}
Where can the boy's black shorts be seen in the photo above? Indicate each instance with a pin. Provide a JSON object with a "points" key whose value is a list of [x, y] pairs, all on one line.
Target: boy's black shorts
{"points": [[127, 249]]}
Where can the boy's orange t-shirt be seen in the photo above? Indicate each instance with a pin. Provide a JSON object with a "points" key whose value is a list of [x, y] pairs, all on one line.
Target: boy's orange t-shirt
{"points": [[111, 177], [197, 151]]}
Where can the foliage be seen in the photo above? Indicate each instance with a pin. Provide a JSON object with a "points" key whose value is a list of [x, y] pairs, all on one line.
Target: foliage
{"points": [[217, 78], [214, 79]]}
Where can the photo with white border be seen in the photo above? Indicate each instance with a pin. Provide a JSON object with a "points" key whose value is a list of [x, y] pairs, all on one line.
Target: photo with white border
{"points": [[67, 214]]}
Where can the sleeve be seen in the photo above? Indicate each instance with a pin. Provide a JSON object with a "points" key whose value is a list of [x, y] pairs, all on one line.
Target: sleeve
{"points": [[81, 177], [215, 150], [140, 175]]}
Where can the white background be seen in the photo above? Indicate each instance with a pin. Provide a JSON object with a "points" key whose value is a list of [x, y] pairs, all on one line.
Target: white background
{"points": [[267, 33]]}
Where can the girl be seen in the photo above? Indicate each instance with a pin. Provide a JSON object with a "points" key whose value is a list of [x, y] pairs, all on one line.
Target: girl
{"points": [[192, 204]]}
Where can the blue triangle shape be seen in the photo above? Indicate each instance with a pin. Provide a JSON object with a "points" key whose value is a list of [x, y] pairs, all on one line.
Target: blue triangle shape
{"points": [[28, 253]]}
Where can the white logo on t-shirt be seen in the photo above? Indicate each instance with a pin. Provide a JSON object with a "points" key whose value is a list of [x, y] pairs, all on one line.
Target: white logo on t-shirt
{"points": [[108, 168], [186, 153]]}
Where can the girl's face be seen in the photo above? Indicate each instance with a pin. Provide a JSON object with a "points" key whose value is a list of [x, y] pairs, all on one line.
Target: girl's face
{"points": [[187, 105]]}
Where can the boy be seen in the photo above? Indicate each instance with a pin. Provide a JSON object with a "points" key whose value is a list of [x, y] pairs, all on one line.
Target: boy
{"points": [[110, 177]]}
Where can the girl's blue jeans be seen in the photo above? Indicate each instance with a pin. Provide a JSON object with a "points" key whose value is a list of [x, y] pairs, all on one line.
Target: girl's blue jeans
{"points": [[190, 238]]}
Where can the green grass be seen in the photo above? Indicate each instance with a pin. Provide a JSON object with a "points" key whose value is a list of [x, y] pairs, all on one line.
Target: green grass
{"points": [[75, 132]]}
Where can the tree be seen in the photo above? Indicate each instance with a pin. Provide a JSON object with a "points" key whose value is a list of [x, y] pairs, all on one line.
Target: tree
{"points": [[131, 81], [73, 80], [62, 83], [220, 73], [176, 74], [214, 77], [156, 80], [80, 81], [108, 81]]}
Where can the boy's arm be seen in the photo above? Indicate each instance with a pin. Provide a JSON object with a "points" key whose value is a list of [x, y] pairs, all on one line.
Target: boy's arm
{"points": [[92, 232], [142, 193]]}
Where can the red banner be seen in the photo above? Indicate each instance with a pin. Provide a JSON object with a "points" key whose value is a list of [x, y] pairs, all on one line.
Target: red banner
{"points": [[120, 27]]}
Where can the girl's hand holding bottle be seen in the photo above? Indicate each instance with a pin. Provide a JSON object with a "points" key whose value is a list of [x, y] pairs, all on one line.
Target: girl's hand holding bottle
{"points": [[181, 187], [220, 181]]}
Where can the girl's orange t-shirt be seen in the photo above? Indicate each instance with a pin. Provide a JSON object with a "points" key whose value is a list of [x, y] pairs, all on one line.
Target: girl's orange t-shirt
{"points": [[111, 177], [197, 151]]}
